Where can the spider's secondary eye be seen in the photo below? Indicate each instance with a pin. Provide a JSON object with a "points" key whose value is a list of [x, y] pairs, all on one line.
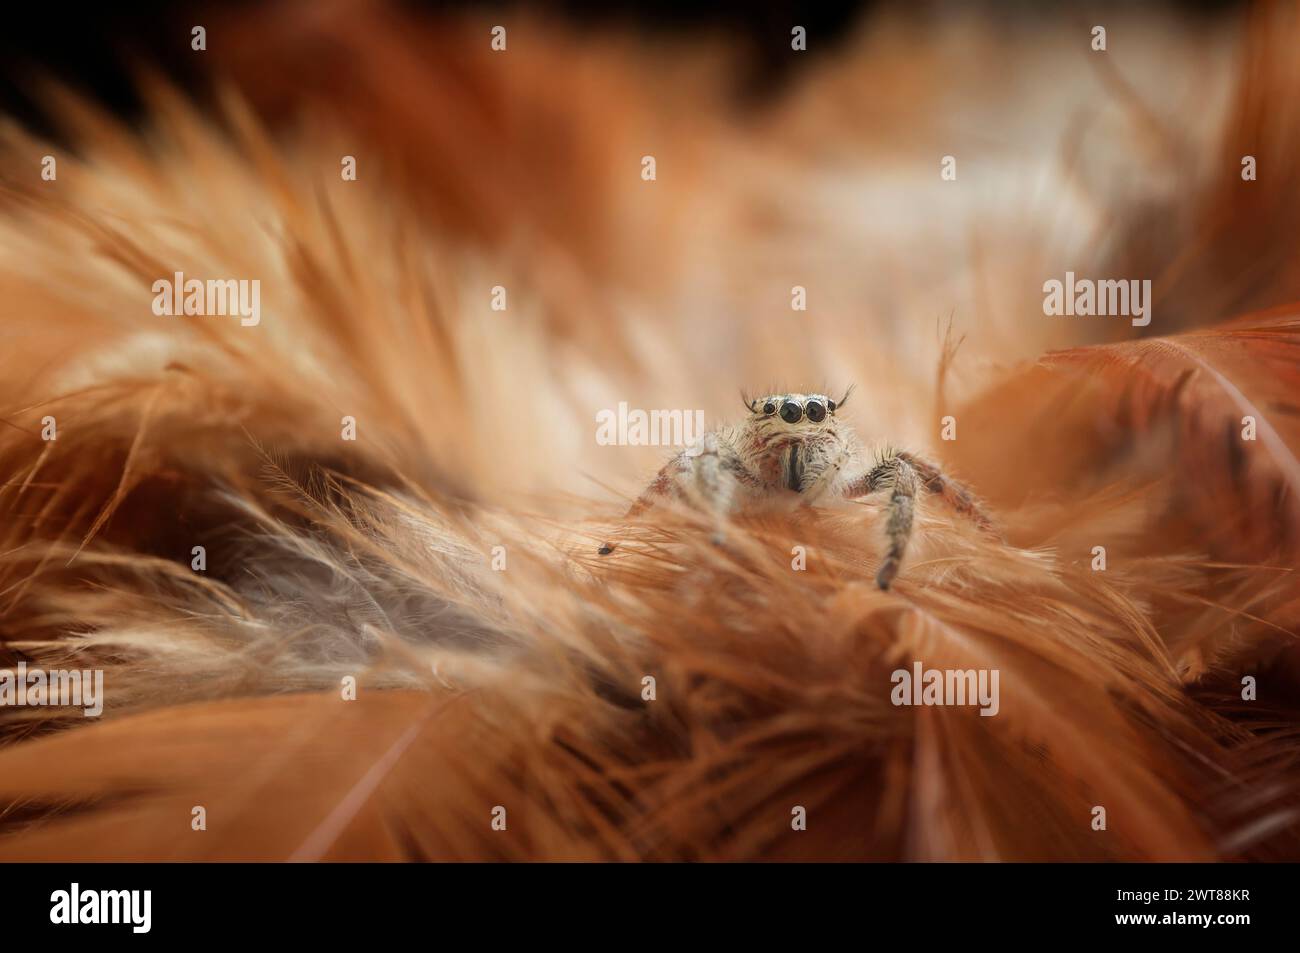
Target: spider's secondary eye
{"points": [[816, 411], [791, 412], [769, 408], [830, 405]]}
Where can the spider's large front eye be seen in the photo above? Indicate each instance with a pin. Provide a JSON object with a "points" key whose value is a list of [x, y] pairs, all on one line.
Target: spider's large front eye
{"points": [[769, 409], [791, 412], [816, 411]]}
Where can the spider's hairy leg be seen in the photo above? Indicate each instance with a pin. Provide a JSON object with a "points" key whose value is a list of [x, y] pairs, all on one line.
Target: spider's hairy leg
{"points": [[959, 497], [895, 472], [659, 487], [904, 472], [718, 474], [708, 474]]}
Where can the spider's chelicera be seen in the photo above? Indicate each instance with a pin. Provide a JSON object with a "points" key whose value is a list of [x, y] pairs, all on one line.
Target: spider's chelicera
{"points": [[795, 444]]}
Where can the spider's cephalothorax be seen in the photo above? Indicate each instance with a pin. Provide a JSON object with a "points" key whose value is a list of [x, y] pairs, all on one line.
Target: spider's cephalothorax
{"points": [[790, 441], [792, 448]]}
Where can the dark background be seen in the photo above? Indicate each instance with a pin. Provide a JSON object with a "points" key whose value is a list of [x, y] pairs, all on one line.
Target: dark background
{"points": [[92, 47]]}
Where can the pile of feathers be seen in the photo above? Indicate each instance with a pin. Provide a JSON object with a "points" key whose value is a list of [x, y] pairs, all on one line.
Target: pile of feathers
{"points": [[404, 646]]}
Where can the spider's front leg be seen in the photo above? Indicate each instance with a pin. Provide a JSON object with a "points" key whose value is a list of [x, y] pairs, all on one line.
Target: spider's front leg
{"points": [[895, 472], [903, 473], [708, 475], [660, 486]]}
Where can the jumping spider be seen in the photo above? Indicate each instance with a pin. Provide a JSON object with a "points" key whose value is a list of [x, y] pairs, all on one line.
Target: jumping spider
{"points": [[793, 443]]}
